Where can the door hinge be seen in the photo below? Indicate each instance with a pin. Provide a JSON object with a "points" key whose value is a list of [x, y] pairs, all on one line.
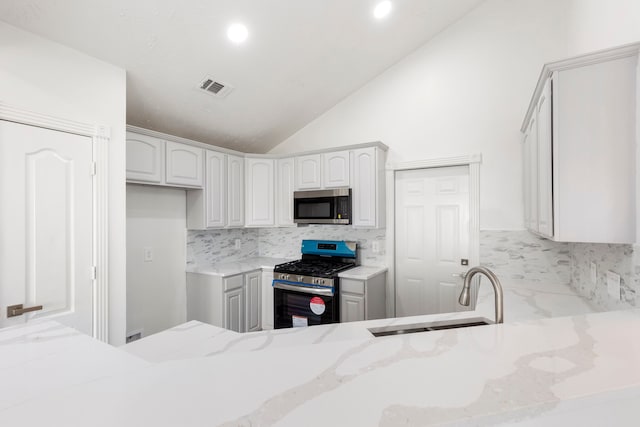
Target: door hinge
{"points": [[94, 168], [94, 272]]}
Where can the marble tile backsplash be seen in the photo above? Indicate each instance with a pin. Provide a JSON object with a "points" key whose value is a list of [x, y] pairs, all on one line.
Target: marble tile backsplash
{"points": [[285, 242], [206, 247], [520, 255], [621, 259]]}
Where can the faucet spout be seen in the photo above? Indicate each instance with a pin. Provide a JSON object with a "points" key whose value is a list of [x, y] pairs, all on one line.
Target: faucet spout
{"points": [[497, 290]]}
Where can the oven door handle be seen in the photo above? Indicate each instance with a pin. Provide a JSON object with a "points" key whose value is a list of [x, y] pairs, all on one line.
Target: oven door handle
{"points": [[307, 289]]}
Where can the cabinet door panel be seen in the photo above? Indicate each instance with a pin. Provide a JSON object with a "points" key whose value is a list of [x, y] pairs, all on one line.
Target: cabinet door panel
{"points": [[351, 308], [308, 172], [254, 301], [145, 158], [336, 169], [533, 174], [234, 310], [284, 191], [545, 191], [267, 300], [235, 189], [184, 164], [259, 200], [216, 191], [364, 197]]}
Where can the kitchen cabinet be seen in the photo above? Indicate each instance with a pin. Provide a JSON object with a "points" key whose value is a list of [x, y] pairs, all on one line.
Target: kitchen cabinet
{"points": [[221, 202], [285, 176], [253, 297], [363, 299], [184, 164], [235, 191], [233, 302], [145, 158], [579, 149], [308, 171], [368, 193], [267, 299], [259, 192], [335, 171], [155, 161]]}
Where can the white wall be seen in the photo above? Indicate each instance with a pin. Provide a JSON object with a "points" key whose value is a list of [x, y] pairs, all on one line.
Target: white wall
{"points": [[156, 290], [464, 92], [597, 24], [46, 77]]}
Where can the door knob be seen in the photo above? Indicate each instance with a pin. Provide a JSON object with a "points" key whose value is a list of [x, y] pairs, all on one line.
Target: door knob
{"points": [[17, 310]]}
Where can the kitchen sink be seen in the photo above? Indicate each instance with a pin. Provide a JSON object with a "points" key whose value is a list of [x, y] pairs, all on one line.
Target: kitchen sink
{"points": [[384, 331]]}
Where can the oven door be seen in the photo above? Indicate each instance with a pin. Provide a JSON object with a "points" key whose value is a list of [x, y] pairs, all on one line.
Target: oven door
{"points": [[297, 306]]}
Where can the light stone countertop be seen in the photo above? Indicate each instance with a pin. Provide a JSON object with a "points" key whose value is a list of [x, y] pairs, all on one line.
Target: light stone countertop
{"points": [[362, 272], [522, 301], [225, 269], [579, 370]]}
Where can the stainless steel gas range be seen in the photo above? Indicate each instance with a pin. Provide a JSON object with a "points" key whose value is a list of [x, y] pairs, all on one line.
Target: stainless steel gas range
{"points": [[307, 291]]}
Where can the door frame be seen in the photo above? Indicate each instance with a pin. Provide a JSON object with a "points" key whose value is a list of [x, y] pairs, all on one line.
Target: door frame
{"points": [[100, 137], [473, 161]]}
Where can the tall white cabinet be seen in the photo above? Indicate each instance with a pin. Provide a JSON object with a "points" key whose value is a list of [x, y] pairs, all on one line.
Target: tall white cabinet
{"points": [[259, 196], [579, 149], [368, 188], [285, 185]]}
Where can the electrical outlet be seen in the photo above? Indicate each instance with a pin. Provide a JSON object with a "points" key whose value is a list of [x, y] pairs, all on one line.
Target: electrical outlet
{"points": [[613, 285], [375, 246], [238, 244], [594, 273], [148, 254]]}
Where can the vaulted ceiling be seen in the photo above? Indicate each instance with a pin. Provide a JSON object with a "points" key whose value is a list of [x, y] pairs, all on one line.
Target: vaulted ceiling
{"points": [[300, 59]]}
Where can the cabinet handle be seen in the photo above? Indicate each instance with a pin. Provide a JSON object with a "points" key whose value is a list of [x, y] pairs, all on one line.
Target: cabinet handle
{"points": [[17, 310]]}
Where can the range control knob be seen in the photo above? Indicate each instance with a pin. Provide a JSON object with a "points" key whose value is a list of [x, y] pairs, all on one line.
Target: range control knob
{"points": [[300, 278]]}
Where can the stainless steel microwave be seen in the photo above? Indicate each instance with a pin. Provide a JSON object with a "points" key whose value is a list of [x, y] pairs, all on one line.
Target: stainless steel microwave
{"points": [[322, 206]]}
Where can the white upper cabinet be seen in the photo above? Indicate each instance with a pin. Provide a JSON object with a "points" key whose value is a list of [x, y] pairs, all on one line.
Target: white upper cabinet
{"points": [[368, 188], [545, 162], [309, 172], [259, 192], [145, 158], [235, 200], [184, 164], [580, 149], [284, 191], [335, 172], [215, 189]]}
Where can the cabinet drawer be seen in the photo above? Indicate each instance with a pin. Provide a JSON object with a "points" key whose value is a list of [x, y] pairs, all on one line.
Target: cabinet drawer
{"points": [[352, 286], [233, 282]]}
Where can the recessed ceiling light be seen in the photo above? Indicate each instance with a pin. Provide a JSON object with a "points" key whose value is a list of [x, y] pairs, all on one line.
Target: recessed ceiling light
{"points": [[382, 9], [237, 33]]}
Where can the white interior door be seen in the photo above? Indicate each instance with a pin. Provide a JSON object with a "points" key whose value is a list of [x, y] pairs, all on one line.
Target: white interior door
{"points": [[432, 239], [46, 249]]}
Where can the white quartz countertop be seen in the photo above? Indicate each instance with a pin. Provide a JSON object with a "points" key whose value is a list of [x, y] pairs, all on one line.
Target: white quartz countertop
{"points": [[362, 272], [225, 269], [577, 370]]}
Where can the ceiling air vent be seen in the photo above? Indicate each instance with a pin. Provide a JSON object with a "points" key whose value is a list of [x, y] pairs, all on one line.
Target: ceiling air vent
{"points": [[215, 88]]}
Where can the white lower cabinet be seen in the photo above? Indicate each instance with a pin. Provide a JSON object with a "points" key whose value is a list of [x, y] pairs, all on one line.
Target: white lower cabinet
{"points": [[254, 301], [363, 299], [267, 299], [232, 302]]}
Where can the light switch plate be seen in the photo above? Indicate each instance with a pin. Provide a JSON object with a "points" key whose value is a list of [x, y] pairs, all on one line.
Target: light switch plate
{"points": [[148, 254], [238, 244], [613, 285], [594, 273], [375, 246]]}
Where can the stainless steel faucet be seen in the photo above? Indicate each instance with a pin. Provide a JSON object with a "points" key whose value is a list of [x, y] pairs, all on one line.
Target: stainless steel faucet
{"points": [[497, 289]]}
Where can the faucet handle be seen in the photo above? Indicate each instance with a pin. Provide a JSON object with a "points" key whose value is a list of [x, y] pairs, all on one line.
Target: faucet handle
{"points": [[460, 275]]}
